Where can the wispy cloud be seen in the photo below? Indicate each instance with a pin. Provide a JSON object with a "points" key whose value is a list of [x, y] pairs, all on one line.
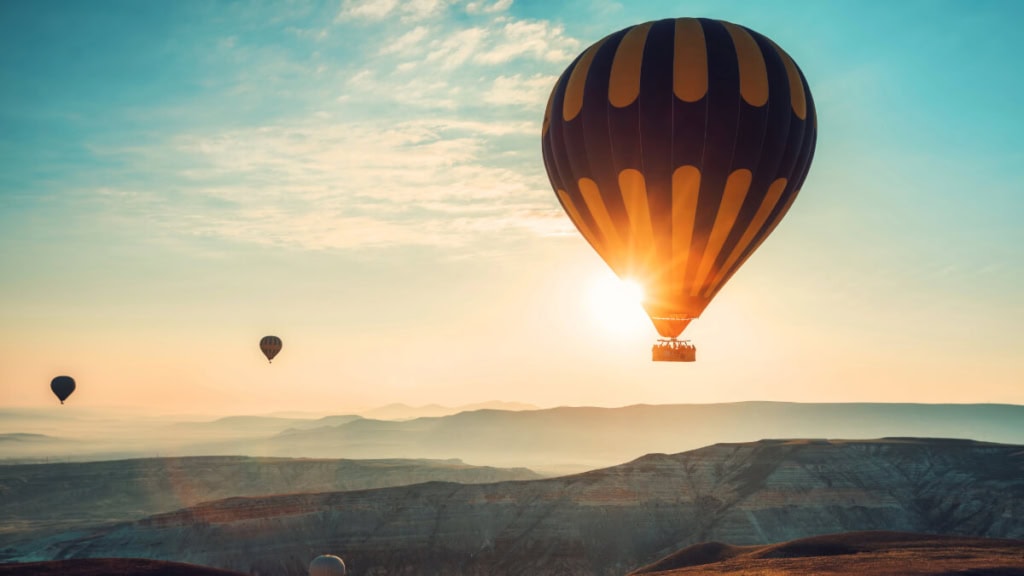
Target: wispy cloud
{"points": [[364, 133], [457, 48], [407, 42], [518, 90], [497, 60], [536, 39], [501, 41], [367, 9], [406, 10], [321, 185], [319, 33], [480, 7]]}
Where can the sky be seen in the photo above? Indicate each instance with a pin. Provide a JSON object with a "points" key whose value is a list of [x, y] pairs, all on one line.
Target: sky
{"points": [[364, 179]]}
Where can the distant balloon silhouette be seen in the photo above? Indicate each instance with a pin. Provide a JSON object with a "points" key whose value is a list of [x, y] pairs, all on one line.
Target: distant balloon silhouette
{"points": [[62, 387], [676, 147], [270, 345], [327, 565]]}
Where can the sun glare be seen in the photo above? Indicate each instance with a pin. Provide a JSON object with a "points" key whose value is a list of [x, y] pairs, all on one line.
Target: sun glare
{"points": [[617, 305]]}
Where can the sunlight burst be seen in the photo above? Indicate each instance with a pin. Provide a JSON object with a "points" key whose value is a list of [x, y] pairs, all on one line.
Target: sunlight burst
{"points": [[617, 305]]}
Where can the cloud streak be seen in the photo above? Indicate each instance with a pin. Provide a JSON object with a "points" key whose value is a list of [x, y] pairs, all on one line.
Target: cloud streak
{"points": [[519, 90], [406, 10], [321, 185]]}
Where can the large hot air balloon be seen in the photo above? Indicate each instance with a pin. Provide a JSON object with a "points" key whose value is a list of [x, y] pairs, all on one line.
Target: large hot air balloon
{"points": [[676, 147], [270, 346], [62, 387]]}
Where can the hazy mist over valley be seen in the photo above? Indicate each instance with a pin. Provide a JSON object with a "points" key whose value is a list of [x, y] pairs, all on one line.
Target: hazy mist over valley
{"points": [[549, 441]]}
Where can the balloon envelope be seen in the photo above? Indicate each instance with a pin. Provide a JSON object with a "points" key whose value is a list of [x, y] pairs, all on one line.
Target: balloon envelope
{"points": [[270, 346], [327, 565], [62, 387], [676, 147]]}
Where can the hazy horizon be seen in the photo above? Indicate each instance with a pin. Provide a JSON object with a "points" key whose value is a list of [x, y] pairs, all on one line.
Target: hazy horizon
{"points": [[144, 411], [553, 440]]}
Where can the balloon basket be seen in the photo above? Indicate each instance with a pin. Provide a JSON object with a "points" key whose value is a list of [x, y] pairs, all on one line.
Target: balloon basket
{"points": [[673, 350]]}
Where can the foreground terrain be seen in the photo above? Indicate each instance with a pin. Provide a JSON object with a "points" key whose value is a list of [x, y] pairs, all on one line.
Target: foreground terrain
{"points": [[860, 553], [604, 522], [109, 567], [849, 554]]}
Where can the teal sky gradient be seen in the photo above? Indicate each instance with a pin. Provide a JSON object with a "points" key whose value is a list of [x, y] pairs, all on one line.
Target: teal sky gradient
{"points": [[364, 179]]}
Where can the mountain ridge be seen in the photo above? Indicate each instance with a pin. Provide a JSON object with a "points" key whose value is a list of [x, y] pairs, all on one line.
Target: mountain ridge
{"points": [[551, 441]]}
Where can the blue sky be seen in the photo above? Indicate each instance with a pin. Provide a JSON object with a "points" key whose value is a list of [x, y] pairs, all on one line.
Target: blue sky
{"points": [[364, 178]]}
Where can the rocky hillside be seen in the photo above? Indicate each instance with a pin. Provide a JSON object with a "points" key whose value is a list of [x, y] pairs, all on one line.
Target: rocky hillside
{"points": [[43, 498], [605, 522], [853, 553]]}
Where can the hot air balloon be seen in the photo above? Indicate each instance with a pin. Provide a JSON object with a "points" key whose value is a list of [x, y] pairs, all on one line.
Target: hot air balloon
{"points": [[62, 387], [676, 147], [270, 346], [327, 565]]}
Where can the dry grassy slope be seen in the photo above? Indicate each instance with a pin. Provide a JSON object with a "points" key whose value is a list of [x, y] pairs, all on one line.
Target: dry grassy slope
{"points": [[860, 553], [605, 522]]}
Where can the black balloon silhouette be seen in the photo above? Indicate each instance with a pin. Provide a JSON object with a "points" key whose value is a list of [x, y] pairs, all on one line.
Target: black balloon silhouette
{"points": [[62, 387]]}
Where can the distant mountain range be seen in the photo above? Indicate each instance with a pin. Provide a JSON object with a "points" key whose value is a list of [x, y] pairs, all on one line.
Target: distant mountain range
{"points": [[551, 441], [603, 522], [567, 440], [405, 412]]}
